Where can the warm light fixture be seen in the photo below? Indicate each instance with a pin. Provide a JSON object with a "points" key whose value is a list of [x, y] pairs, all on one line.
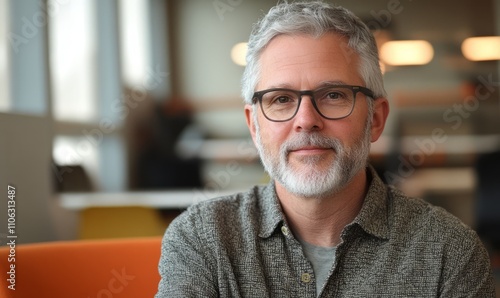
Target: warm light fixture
{"points": [[239, 53], [481, 48], [406, 52]]}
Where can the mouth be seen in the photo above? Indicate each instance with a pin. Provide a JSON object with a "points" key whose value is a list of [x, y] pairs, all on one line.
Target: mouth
{"points": [[311, 150]]}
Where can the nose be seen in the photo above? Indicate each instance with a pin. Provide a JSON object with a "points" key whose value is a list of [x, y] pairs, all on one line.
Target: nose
{"points": [[307, 117]]}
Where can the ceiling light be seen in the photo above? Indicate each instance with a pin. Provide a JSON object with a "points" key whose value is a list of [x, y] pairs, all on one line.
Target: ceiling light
{"points": [[406, 52], [239, 53], [481, 48]]}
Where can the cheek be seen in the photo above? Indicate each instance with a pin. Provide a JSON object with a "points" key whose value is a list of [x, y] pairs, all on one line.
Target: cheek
{"points": [[272, 134], [358, 120], [349, 130]]}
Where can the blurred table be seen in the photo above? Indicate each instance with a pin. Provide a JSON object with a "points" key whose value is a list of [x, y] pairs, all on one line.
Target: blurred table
{"points": [[131, 214]]}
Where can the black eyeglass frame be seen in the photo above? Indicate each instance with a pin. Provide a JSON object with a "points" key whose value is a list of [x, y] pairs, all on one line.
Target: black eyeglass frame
{"points": [[257, 96]]}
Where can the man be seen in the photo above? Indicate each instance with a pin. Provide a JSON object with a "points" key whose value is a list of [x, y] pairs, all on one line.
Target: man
{"points": [[326, 226]]}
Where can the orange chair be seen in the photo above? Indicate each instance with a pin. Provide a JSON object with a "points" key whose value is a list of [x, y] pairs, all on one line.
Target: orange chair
{"points": [[82, 269]]}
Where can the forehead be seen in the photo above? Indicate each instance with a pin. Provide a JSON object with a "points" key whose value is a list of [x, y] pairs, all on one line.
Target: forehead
{"points": [[299, 60]]}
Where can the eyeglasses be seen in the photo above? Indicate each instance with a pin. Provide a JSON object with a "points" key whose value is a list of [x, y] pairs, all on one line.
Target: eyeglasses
{"points": [[331, 102]]}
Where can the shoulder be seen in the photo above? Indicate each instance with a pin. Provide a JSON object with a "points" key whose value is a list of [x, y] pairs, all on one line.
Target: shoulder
{"points": [[219, 216], [417, 217], [202, 238], [227, 206], [435, 236]]}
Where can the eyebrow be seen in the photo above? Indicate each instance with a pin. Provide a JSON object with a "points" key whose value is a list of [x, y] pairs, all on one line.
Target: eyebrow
{"points": [[331, 83], [320, 85]]}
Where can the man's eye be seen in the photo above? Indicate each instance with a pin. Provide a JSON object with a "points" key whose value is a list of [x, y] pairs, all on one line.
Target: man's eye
{"points": [[283, 99], [334, 95]]}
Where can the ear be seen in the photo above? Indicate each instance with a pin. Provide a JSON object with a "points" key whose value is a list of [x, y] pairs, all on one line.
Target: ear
{"points": [[380, 113], [249, 110]]}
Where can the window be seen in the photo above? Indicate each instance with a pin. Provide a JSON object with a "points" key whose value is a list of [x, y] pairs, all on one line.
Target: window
{"points": [[134, 43], [4, 66], [72, 56], [85, 74], [86, 84]]}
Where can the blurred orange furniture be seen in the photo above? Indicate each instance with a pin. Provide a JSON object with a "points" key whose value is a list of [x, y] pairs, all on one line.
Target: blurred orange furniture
{"points": [[124, 267]]}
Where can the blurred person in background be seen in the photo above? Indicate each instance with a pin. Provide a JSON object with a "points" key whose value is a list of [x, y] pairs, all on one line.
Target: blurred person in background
{"points": [[156, 132]]}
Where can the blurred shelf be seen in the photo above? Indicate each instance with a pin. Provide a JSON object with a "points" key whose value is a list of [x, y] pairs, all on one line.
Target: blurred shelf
{"points": [[451, 144], [440, 180]]}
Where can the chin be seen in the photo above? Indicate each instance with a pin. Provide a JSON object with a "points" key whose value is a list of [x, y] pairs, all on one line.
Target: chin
{"points": [[313, 185]]}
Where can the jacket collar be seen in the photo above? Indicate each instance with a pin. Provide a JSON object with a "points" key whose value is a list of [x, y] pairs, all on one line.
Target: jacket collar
{"points": [[271, 212], [373, 217]]}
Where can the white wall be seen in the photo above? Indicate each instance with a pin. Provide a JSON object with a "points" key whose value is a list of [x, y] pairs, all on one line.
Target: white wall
{"points": [[25, 163]]}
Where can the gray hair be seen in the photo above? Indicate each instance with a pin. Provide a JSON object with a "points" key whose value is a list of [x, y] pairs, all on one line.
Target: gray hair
{"points": [[313, 18]]}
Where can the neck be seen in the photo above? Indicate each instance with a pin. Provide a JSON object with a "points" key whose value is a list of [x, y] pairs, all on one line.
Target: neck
{"points": [[321, 221]]}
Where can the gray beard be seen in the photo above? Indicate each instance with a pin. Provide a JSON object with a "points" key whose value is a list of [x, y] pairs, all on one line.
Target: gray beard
{"points": [[311, 181]]}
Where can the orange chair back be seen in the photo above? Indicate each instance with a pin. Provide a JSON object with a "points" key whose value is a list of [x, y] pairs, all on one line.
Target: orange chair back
{"points": [[82, 269]]}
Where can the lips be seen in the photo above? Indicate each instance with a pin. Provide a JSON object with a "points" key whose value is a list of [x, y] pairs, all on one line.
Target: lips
{"points": [[309, 144], [310, 150]]}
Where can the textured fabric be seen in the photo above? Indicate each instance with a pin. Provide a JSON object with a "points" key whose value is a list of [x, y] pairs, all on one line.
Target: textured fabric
{"points": [[241, 246], [321, 259]]}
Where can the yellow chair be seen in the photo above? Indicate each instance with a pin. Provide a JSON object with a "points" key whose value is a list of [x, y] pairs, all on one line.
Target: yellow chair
{"points": [[121, 222], [83, 268]]}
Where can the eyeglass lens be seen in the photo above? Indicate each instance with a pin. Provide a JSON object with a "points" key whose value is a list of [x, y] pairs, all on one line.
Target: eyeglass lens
{"points": [[331, 102]]}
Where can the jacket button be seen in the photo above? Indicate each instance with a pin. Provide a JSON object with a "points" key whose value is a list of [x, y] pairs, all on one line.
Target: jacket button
{"points": [[306, 277]]}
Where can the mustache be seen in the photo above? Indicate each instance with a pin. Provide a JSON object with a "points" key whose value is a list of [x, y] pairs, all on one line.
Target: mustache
{"points": [[310, 139]]}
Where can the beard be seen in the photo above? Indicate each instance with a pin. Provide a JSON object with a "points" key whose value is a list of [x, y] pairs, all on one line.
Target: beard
{"points": [[314, 180]]}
